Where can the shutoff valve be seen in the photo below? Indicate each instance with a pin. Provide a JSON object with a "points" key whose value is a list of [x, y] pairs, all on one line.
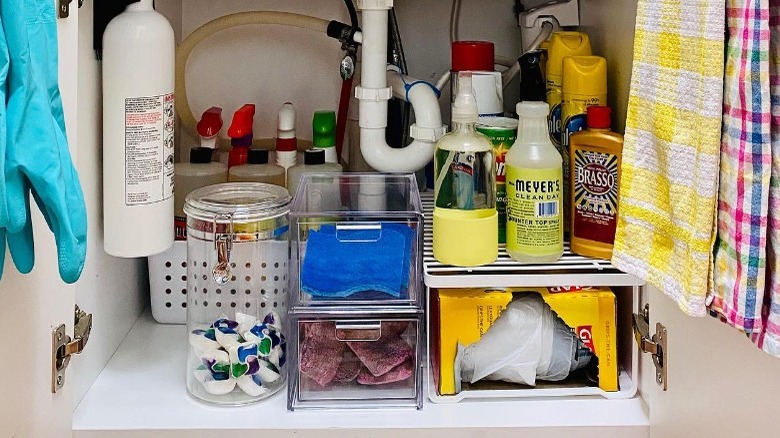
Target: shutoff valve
{"points": [[560, 13]]}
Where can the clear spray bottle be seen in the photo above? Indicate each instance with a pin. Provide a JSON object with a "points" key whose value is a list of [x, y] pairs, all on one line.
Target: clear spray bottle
{"points": [[465, 221]]}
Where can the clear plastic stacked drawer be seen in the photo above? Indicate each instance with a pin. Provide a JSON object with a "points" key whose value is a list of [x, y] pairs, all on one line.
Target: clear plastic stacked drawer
{"points": [[356, 334]]}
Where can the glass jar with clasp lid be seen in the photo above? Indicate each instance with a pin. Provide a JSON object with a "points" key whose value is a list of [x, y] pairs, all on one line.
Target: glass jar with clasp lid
{"points": [[237, 255]]}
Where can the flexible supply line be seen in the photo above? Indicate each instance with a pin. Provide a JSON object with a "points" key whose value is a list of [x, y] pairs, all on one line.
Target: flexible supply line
{"points": [[230, 21], [514, 69], [509, 74], [353, 18], [455, 20], [544, 34], [341, 118], [503, 61], [443, 80]]}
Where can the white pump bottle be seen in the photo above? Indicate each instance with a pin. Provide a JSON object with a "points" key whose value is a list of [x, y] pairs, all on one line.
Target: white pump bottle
{"points": [[138, 132]]}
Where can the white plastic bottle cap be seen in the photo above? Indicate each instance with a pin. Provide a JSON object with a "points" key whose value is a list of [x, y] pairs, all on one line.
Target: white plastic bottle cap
{"points": [[286, 126], [533, 109], [464, 109]]}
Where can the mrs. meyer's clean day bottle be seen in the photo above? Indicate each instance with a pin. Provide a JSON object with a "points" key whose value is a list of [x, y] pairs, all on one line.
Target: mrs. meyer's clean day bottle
{"points": [[465, 221], [534, 190]]}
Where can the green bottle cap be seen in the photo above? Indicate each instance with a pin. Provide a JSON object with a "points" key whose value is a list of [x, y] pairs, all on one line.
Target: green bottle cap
{"points": [[324, 129]]}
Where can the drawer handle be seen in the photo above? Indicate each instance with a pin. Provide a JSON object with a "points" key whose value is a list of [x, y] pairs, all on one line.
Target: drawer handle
{"points": [[359, 233], [358, 331]]}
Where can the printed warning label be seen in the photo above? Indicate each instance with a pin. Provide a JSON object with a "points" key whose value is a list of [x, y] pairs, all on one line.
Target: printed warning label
{"points": [[149, 144]]}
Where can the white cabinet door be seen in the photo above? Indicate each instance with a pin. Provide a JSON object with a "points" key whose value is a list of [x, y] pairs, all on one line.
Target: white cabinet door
{"points": [[31, 306], [720, 385]]}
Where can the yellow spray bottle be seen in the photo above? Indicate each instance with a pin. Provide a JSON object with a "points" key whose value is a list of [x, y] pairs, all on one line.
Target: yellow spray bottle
{"points": [[584, 85], [562, 45]]}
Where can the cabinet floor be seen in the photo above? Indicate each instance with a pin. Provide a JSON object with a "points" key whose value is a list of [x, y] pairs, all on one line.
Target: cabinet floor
{"points": [[141, 393]]}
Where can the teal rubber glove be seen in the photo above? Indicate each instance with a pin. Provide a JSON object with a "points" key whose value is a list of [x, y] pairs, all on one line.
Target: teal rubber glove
{"points": [[4, 64], [38, 161]]}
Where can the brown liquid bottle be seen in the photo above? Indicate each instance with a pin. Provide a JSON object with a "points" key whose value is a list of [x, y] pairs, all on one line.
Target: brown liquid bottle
{"points": [[595, 185]]}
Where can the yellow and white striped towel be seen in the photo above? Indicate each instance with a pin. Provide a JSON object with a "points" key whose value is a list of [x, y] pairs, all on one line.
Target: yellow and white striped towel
{"points": [[669, 186]]}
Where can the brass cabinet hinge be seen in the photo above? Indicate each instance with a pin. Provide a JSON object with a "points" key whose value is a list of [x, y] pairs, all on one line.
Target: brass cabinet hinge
{"points": [[63, 347], [655, 345], [64, 8]]}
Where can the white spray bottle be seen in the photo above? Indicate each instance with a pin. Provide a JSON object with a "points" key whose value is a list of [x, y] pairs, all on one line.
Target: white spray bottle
{"points": [[138, 132], [286, 142]]}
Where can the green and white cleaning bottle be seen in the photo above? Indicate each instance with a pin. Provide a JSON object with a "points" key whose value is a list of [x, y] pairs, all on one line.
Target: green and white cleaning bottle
{"points": [[324, 134], [465, 220], [534, 184]]}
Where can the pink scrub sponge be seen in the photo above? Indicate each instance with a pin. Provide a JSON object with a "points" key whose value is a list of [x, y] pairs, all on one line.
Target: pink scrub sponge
{"points": [[326, 360], [383, 355], [397, 374], [321, 353], [349, 369]]}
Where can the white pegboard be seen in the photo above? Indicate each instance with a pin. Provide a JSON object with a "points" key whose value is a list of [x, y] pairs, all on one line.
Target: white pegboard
{"points": [[168, 284], [168, 281]]}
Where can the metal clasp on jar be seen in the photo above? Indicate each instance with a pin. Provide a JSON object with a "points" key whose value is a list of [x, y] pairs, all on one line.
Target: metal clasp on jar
{"points": [[223, 243]]}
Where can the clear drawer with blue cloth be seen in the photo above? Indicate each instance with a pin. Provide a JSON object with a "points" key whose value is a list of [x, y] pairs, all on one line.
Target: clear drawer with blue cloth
{"points": [[356, 240]]}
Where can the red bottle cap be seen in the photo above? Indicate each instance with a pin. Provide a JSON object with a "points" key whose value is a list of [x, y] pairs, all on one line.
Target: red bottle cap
{"points": [[473, 55], [210, 122], [243, 119], [599, 117]]}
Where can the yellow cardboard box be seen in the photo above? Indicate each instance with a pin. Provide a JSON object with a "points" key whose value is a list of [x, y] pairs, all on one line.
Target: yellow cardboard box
{"points": [[464, 315]]}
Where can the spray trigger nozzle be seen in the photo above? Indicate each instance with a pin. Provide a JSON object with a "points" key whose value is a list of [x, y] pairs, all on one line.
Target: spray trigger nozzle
{"points": [[464, 109], [209, 126], [243, 119]]}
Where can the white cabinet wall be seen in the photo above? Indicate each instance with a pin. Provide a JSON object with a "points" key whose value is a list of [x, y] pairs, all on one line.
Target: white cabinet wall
{"points": [[719, 384]]}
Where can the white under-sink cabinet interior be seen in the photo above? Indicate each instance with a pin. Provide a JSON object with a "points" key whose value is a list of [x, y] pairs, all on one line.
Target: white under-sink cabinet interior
{"points": [[130, 380]]}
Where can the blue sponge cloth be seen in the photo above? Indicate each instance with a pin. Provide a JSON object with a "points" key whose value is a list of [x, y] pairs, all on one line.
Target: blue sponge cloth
{"points": [[338, 264]]}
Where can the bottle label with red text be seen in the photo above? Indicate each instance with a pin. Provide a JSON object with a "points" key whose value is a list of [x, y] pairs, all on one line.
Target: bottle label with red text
{"points": [[149, 149]]}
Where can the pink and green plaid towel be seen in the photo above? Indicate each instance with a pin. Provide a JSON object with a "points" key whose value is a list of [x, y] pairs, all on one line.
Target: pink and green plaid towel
{"points": [[746, 292], [768, 338]]}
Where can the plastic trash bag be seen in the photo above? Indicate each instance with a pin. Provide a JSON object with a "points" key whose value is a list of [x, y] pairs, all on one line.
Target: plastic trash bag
{"points": [[528, 341]]}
